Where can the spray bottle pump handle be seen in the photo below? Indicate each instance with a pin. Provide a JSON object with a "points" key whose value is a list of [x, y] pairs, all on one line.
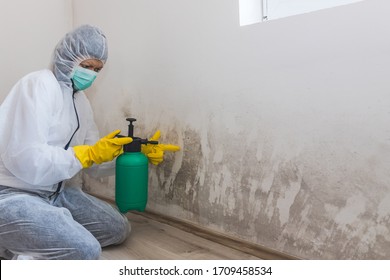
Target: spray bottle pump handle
{"points": [[131, 127], [131, 133], [135, 146]]}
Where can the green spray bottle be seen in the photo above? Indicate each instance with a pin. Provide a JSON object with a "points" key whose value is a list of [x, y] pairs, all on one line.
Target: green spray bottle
{"points": [[131, 174]]}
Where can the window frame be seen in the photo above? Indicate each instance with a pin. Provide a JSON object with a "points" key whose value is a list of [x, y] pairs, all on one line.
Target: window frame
{"points": [[257, 11]]}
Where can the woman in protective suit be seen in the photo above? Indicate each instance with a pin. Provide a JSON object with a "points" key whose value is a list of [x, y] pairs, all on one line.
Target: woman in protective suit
{"points": [[47, 136]]}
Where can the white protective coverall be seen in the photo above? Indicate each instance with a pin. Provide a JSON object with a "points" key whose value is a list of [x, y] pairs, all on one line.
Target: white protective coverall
{"points": [[44, 214]]}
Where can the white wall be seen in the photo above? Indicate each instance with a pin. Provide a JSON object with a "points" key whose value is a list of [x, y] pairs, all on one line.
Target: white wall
{"points": [[29, 32]]}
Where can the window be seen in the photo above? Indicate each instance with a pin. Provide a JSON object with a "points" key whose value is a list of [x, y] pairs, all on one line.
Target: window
{"points": [[254, 11]]}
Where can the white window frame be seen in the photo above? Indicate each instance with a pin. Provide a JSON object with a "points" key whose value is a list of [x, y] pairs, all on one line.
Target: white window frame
{"points": [[254, 11]]}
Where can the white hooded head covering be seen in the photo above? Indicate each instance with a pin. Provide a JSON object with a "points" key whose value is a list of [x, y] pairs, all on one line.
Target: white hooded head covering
{"points": [[85, 42]]}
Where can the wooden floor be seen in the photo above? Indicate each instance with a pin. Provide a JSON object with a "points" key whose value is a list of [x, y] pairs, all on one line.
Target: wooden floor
{"points": [[154, 240]]}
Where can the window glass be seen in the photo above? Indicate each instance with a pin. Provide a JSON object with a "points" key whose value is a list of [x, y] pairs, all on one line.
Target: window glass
{"points": [[254, 11], [283, 8]]}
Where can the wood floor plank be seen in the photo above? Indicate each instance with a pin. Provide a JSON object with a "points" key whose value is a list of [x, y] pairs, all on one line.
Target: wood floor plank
{"points": [[153, 240]]}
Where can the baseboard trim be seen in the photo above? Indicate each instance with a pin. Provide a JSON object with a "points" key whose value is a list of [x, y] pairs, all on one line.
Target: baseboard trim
{"points": [[253, 249], [256, 250]]}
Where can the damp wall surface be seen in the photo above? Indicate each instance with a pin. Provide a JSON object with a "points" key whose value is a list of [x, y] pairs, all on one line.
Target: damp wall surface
{"points": [[284, 125]]}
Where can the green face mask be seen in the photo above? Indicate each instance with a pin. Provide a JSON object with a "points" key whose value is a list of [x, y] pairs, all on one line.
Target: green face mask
{"points": [[83, 78]]}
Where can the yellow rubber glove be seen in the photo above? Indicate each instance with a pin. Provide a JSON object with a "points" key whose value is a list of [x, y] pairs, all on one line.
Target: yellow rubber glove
{"points": [[106, 149], [155, 152]]}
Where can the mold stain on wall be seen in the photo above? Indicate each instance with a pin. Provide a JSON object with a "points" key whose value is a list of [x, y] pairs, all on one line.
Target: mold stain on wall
{"points": [[249, 191], [308, 203], [298, 197]]}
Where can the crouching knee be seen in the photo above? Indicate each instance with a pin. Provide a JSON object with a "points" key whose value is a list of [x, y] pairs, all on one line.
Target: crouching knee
{"points": [[88, 250], [122, 229]]}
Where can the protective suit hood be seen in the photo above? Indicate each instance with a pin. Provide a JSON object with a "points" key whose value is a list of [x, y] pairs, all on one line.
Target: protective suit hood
{"points": [[84, 42]]}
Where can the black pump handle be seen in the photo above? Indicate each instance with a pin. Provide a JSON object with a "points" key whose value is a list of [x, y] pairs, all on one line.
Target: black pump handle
{"points": [[134, 146], [131, 120], [131, 127]]}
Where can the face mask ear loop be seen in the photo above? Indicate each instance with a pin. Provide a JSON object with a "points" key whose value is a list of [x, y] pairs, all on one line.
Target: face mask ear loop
{"points": [[71, 76]]}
